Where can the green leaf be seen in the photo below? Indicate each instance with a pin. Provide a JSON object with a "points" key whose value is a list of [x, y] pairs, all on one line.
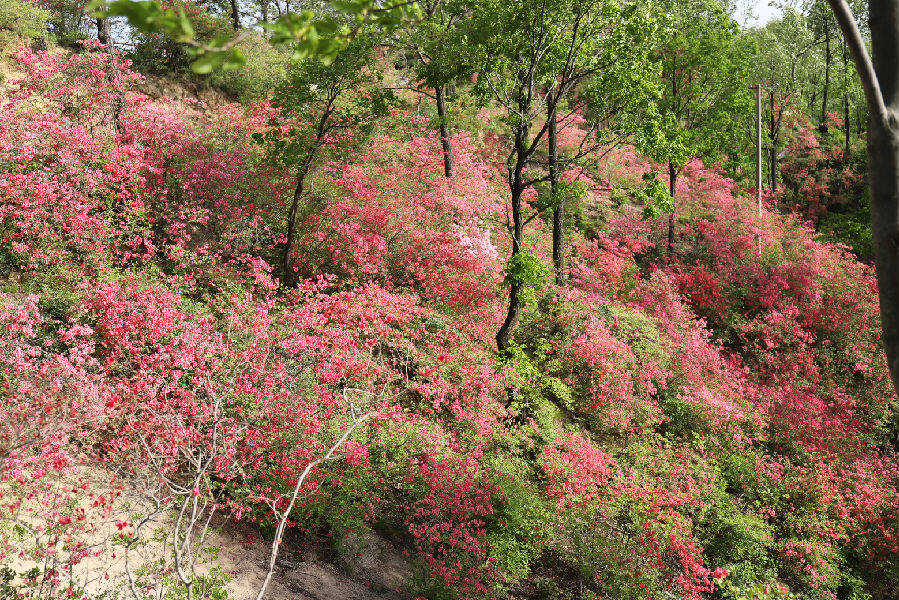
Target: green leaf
{"points": [[235, 60], [208, 62]]}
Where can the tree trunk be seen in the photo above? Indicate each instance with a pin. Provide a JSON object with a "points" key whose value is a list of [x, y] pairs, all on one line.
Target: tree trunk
{"points": [[516, 286], [822, 127], [672, 218], [103, 30], [303, 169], [881, 84], [846, 124], [772, 132], [504, 335], [558, 199], [290, 276], [847, 129], [445, 141], [235, 15], [883, 166], [104, 36], [772, 176]]}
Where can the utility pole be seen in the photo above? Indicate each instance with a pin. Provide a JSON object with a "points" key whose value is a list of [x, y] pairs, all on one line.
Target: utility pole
{"points": [[758, 144]]}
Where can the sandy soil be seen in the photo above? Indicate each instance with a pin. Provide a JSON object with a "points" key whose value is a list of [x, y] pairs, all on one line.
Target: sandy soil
{"points": [[372, 570]]}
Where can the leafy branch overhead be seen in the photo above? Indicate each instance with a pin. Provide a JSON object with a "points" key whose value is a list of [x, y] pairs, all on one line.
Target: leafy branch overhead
{"points": [[307, 33]]}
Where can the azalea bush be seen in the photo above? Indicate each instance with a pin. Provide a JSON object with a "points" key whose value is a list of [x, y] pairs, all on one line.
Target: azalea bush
{"points": [[709, 423]]}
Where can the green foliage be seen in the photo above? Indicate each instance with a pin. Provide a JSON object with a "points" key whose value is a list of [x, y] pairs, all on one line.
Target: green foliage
{"points": [[306, 34], [21, 19], [207, 62], [526, 270], [704, 67], [788, 65], [638, 331], [266, 68], [851, 587], [626, 90], [205, 48], [309, 35], [209, 586], [342, 94], [546, 588], [538, 394], [58, 306], [601, 545], [682, 419], [151, 18], [430, 44], [851, 228], [7, 590], [521, 525], [609, 63], [737, 539], [770, 590], [655, 196], [178, 39], [574, 193]]}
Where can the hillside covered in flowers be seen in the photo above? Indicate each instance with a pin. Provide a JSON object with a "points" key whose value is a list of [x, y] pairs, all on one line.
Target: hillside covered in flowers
{"points": [[206, 326]]}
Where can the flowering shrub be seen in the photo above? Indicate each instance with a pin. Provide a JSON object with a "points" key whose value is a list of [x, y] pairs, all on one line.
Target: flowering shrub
{"points": [[803, 316], [598, 493], [712, 422], [607, 378], [447, 523], [819, 178], [395, 218]]}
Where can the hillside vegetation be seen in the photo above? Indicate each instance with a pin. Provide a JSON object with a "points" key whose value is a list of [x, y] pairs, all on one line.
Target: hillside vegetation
{"points": [[278, 313]]}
